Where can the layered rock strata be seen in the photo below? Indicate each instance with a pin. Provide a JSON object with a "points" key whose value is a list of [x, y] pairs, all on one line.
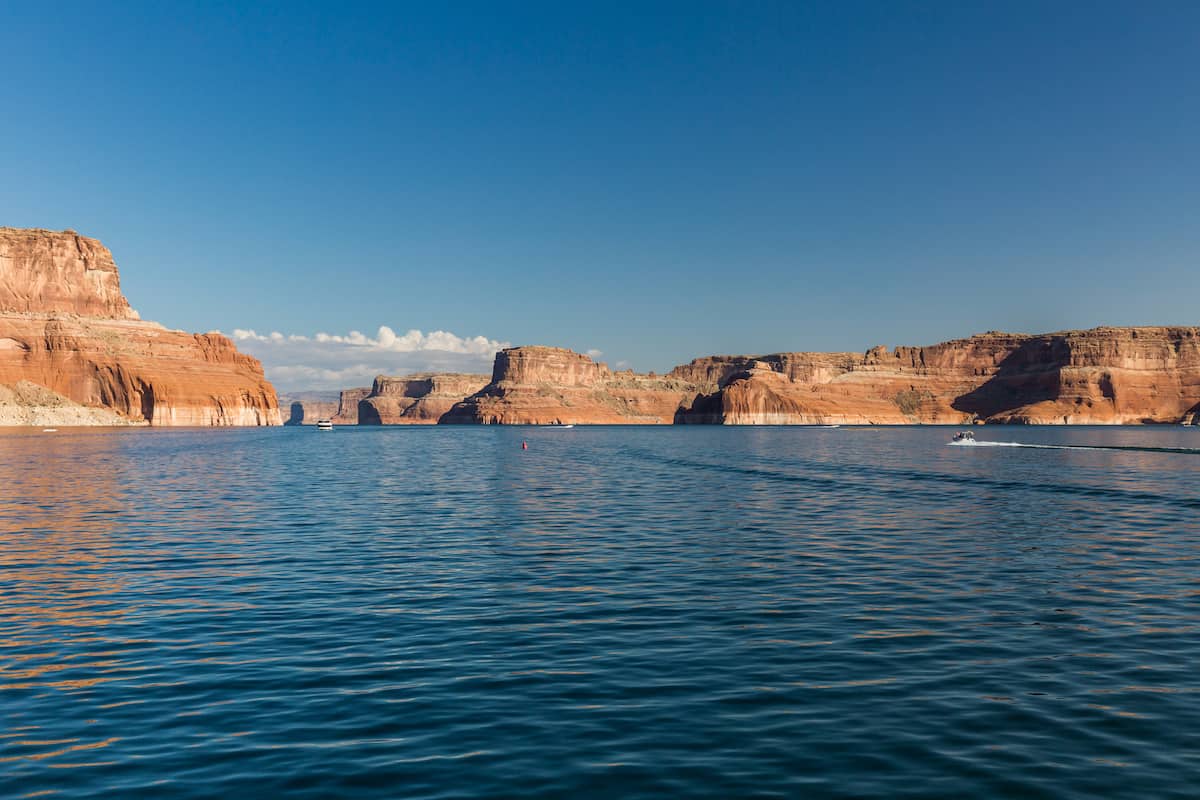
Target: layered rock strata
{"points": [[43, 272], [551, 385], [347, 406], [420, 399], [1099, 376], [65, 325]]}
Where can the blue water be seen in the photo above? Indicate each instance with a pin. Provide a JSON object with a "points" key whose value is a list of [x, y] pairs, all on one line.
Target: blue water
{"points": [[614, 612]]}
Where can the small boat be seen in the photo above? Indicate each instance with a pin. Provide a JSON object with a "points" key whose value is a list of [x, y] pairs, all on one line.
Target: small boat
{"points": [[324, 425], [830, 426], [963, 437], [49, 430], [559, 426]]}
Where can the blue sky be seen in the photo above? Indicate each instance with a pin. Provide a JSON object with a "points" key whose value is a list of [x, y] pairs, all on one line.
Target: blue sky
{"points": [[652, 181]]}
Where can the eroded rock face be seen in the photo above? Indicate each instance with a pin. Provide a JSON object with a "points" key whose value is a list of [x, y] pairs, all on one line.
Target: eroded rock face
{"points": [[551, 385], [43, 271], [346, 412], [64, 325], [1099, 376], [713, 372], [420, 399]]}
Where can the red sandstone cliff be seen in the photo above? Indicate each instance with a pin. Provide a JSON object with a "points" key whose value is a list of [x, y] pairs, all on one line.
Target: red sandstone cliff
{"points": [[43, 271], [420, 399], [1099, 376], [346, 412], [550, 385], [65, 325]]}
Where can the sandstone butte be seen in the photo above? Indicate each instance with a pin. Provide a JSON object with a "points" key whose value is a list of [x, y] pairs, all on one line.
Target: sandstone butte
{"points": [[65, 326], [550, 385], [420, 399], [346, 412], [1098, 376]]}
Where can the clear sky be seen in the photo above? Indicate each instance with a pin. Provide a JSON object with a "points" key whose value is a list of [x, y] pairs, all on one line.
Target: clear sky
{"points": [[653, 181]]}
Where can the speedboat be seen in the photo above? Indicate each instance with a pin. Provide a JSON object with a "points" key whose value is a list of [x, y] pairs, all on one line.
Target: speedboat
{"points": [[324, 425], [963, 437]]}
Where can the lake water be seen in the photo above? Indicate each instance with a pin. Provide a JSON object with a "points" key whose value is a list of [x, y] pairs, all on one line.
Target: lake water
{"points": [[614, 612]]}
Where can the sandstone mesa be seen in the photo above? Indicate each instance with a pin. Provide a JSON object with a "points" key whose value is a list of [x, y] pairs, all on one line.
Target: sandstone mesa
{"points": [[1098, 376], [65, 326], [554, 386], [420, 399], [1101, 376]]}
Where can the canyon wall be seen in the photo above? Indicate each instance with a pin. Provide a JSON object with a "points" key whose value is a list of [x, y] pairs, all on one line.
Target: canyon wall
{"points": [[43, 271], [65, 326], [552, 386], [346, 412], [1098, 376], [420, 399]]}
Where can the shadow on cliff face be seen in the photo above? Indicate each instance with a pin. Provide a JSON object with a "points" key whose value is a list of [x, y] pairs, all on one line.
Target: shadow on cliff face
{"points": [[706, 409], [463, 412], [1029, 374], [148, 403], [368, 414]]}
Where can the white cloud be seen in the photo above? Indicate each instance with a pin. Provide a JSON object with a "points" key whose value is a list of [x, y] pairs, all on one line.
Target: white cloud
{"points": [[386, 340], [594, 354], [295, 362]]}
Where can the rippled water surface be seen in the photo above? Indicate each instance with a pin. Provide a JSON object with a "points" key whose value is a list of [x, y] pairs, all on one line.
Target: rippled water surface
{"points": [[702, 612]]}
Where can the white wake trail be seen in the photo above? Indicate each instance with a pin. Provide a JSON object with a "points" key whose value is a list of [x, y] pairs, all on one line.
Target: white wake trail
{"points": [[1142, 449]]}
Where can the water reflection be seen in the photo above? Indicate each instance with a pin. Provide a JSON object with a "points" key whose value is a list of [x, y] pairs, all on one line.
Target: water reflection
{"points": [[700, 612]]}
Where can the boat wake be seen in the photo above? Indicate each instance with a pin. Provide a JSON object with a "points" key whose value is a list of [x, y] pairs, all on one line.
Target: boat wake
{"points": [[1133, 448]]}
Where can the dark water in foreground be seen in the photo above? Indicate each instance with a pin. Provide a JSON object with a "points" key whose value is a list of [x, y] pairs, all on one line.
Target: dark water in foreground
{"points": [[698, 612]]}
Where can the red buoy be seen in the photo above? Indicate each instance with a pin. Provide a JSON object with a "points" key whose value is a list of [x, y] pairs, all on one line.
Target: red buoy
{"points": [[524, 445]]}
